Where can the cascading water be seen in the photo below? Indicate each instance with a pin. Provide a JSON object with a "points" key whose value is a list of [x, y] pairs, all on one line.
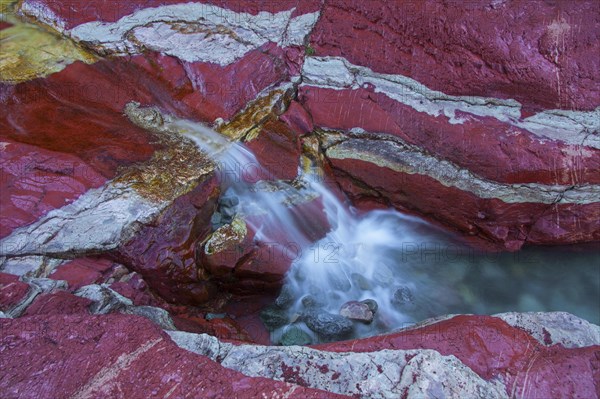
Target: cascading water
{"points": [[398, 267], [355, 261]]}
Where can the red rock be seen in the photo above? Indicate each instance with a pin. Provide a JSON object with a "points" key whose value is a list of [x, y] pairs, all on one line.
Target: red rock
{"points": [[493, 349], [163, 253], [34, 181], [560, 373], [222, 328], [277, 149], [258, 265], [138, 292], [485, 146], [95, 129], [117, 356], [6, 278], [297, 118], [58, 303], [293, 58], [208, 91], [80, 272], [12, 291], [507, 225], [468, 48], [355, 310], [246, 310], [221, 264], [267, 262], [266, 265]]}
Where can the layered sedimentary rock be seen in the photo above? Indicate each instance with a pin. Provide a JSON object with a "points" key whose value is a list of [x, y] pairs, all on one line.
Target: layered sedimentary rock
{"points": [[481, 117], [469, 102], [461, 356]]}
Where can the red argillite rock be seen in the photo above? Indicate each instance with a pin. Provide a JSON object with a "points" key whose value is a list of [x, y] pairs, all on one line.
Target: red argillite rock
{"points": [[490, 148], [80, 272], [12, 291], [101, 356], [494, 349], [482, 116], [494, 108], [278, 150], [59, 303], [209, 91], [468, 48], [35, 181], [507, 225], [164, 253], [247, 264]]}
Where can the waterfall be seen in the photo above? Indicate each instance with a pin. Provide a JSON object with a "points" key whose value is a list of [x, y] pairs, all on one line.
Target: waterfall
{"points": [[358, 259]]}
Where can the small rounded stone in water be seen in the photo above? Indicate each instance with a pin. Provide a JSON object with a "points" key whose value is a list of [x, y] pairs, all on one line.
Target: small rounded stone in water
{"points": [[273, 317], [285, 298], [354, 310], [383, 275], [216, 220], [361, 282], [339, 281], [311, 302], [295, 336], [403, 296], [327, 325], [229, 201], [372, 304], [227, 212]]}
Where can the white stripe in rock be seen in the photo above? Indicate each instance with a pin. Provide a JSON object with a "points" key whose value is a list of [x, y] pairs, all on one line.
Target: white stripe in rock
{"points": [[380, 374], [571, 127], [191, 32], [97, 221], [393, 153]]}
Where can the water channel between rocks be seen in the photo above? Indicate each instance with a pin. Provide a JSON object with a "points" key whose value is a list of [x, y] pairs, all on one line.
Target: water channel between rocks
{"points": [[379, 271]]}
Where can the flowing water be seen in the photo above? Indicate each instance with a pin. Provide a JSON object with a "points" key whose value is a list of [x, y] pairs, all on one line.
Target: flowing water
{"points": [[411, 269]]}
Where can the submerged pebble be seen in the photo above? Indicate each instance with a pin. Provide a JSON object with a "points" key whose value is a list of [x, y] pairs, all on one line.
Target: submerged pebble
{"points": [[327, 325], [403, 296], [310, 301], [273, 317], [372, 304], [295, 336], [358, 311], [285, 298]]}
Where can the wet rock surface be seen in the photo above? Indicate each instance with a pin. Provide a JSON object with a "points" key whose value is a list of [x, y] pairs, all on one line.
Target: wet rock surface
{"points": [[274, 317], [357, 311], [330, 326], [114, 227], [295, 336], [403, 297], [458, 356]]}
